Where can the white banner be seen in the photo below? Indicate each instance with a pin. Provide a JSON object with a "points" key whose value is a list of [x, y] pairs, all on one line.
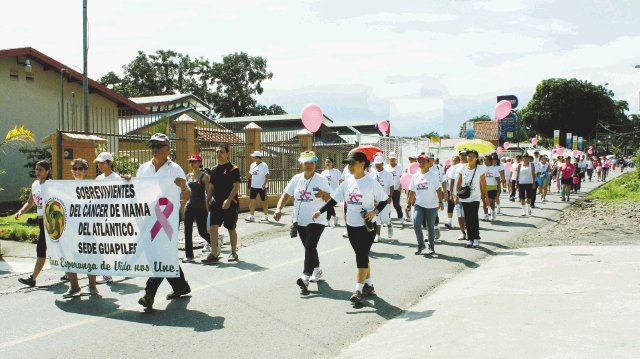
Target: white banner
{"points": [[115, 228]]}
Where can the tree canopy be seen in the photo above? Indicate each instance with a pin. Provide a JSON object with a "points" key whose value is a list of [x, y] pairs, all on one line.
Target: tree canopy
{"points": [[227, 86]]}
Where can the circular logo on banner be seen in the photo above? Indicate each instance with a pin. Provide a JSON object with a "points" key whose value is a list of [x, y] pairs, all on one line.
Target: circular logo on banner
{"points": [[54, 218]]}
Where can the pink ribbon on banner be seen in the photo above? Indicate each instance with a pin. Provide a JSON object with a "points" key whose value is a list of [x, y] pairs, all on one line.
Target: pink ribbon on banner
{"points": [[162, 216]]}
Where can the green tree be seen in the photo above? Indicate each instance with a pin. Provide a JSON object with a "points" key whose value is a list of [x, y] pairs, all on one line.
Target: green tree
{"points": [[435, 134]]}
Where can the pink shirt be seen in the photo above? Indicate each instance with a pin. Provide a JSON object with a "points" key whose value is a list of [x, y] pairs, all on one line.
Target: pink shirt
{"points": [[567, 170]]}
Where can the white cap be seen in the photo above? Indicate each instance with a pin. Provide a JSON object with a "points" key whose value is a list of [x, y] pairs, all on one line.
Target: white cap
{"points": [[160, 137], [378, 160], [393, 155], [103, 157], [256, 154]]}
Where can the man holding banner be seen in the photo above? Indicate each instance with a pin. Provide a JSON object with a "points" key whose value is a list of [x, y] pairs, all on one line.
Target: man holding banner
{"points": [[162, 166]]}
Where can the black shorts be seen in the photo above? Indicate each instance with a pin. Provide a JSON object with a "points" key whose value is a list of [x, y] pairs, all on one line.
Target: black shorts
{"points": [[41, 247], [568, 181], [223, 217], [492, 193], [525, 190], [450, 206], [254, 192]]}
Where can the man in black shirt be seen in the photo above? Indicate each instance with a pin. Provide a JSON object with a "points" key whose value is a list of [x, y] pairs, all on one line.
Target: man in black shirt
{"points": [[222, 197]]}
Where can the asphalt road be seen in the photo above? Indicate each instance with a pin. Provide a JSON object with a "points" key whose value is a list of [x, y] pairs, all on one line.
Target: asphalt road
{"points": [[253, 308]]}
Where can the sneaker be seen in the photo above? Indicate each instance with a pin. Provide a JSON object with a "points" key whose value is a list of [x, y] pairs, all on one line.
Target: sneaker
{"points": [[368, 290], [493, 216], [264, 219], [356, 297], [93, 291], [419, 251], [64, 278], [107, 279], [562, 199], [206, 248], [72, 292], [462, 237], [390, 232], [447, 226], [28, 281], [316, 275], [211, 259], [437, 233], [469, 244], [345, 235], [146, 302], [498, 209], [251, 219], [524, 214], [188, 260], [432, 250], [486, 217], [179, 293], [377, 239], [303, 284], [476, 243], [233, 257], [407, 220]]}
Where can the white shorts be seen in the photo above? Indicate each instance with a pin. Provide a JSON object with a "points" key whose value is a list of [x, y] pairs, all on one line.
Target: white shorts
{"points": [[385, 215], [458, 210]]}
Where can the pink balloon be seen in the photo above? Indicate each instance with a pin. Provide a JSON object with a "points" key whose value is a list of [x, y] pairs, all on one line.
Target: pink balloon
{"points": [[405, 181], [534, 141], [447, 163], [506, 145], [590, 151], [554, 150], [503, 109], [499, 150], [590, 147], [384, 127], [508, 166], [575, 153], [414, 168], [312, 117], [560, 151]]}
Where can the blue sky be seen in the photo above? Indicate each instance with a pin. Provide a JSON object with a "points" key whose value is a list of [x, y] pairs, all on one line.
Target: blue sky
{"points": [[425, 65]]}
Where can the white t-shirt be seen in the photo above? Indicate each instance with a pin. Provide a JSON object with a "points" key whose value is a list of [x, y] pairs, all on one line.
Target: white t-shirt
{"points": [[492, 175], [345, 173], [438, 172], [467, 175], [259, 174], [507, 173], [169, 169], [384, 178], [396, 172], [542, 168], [111, 177], [589, 165], [332, 176], [454, 175], [425, 186], [359, 193], [305, 201], [36, 193], [525, 174]]}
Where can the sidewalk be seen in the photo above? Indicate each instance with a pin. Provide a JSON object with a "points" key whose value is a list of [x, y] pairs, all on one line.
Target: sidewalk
{"points": [[537, 302]]}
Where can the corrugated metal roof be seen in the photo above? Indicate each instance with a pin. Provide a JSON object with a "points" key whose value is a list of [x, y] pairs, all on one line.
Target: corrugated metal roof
{"points": [[161, 98], [129, 124]]}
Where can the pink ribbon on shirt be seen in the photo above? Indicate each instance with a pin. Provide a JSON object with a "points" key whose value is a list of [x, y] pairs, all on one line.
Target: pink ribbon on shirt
{"points": [[162, 216], [355, 196]]}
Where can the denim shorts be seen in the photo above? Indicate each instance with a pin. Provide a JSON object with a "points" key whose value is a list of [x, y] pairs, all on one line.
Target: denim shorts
{"points": [[458, 210]]}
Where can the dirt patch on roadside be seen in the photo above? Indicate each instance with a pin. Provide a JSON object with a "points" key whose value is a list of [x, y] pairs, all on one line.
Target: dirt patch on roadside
{"points": [[588, 222]]}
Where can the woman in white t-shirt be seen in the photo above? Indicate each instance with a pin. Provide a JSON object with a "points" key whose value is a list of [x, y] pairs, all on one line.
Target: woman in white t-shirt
{"points": [[472, 175], [309, 191], [333, 177], [43, 173], [525, 175], [361, 192], [426, 197]]}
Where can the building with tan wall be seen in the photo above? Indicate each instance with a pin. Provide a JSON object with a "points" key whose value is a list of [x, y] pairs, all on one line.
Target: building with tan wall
{"points": [[31, 95]]}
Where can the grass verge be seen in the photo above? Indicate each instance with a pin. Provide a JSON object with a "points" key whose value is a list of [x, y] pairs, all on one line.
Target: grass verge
{"points": [[19, 230], [622, 188]]}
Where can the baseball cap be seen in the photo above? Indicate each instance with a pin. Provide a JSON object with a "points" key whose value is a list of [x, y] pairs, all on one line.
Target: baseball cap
{"points": [[393, 155], [378, 160], [103, 157], [423, 157], [160, 137], [308, 157], [412, 157], [463, 151], [195, 157], [355, 156], [256, 154]]}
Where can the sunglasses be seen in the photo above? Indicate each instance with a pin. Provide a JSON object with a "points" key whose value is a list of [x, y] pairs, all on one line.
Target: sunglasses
{"points": [[157, 145], [77, 168]]}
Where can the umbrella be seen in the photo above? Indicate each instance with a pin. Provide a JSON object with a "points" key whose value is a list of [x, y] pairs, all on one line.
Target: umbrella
{"points": [[369, 151], [481, 146]]}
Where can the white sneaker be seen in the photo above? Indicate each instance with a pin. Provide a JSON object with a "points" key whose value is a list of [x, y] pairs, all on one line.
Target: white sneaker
{"points": [[390, 232], [486, 217], [462, 237], [316, 275], [524, 214], [476, 243], [206, 248], [493, 216], [345, 235], [264, 219], [251, 219], [437, 233], [498, 209]]}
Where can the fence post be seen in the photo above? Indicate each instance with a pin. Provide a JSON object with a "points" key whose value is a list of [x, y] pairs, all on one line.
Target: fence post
{"points": [[305, 139], [185, 141], [253, 139]]}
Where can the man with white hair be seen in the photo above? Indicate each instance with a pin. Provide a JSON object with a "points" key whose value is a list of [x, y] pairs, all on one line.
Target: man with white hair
{"points": [[385, 179]]}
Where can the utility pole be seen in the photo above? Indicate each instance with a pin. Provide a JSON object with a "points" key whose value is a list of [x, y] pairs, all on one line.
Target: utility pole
{"points": [[85, 79]]}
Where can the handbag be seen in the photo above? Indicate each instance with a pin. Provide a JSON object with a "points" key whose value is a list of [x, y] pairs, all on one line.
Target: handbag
{"points": [[465, 191]]}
